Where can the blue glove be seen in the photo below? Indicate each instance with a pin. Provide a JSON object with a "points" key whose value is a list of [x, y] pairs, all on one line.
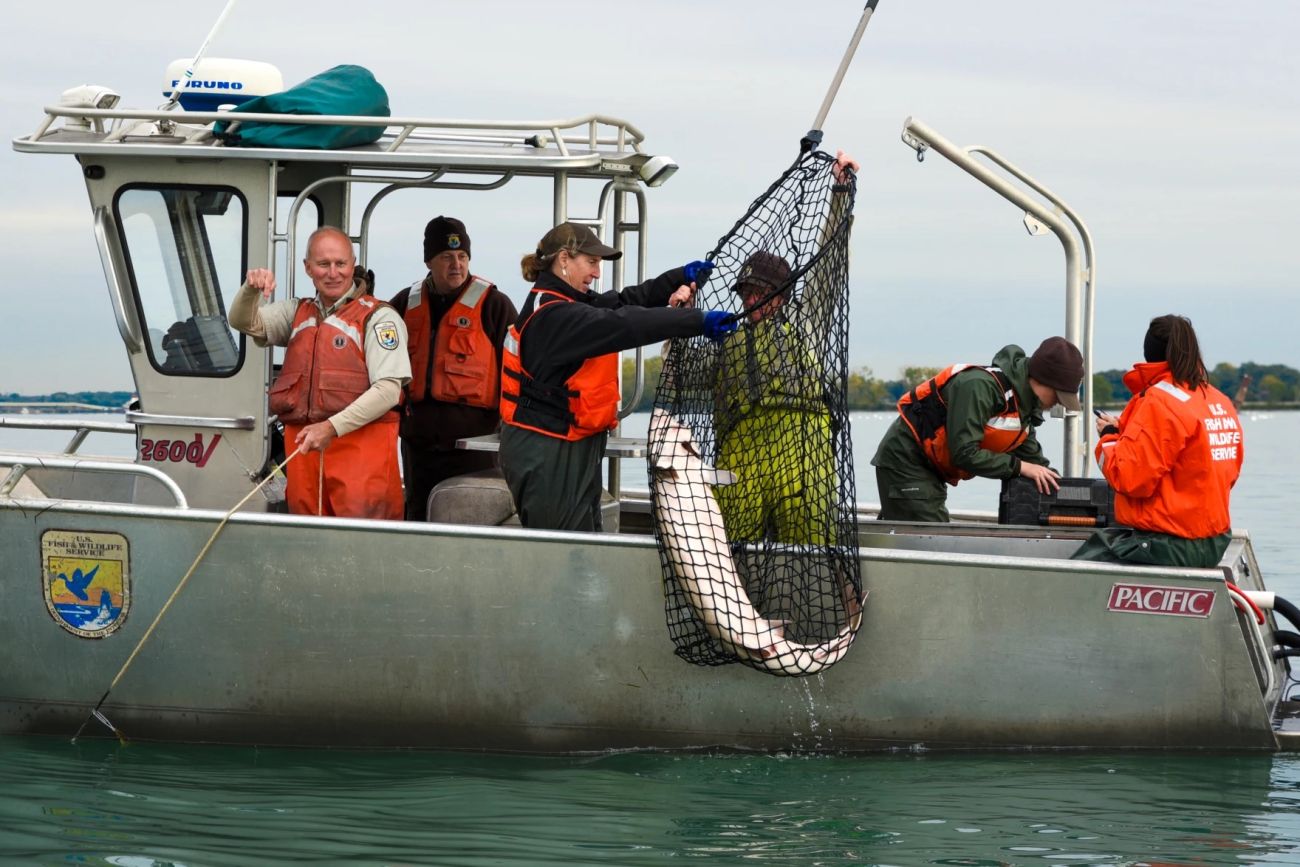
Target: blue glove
{"points": [[697, 272], [718, 324]]}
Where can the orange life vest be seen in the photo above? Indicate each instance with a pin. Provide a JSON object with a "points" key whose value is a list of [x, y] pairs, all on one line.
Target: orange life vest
{"points": [[585, 405], [324, 366], [926, 415], [463, 367]]}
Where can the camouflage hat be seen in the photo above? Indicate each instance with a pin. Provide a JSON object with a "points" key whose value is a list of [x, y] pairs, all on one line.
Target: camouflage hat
{"points": [[575, 238], [764, 270]]}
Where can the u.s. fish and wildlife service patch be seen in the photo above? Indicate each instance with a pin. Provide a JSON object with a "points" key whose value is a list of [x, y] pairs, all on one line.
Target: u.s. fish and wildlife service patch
{"points": [[86, 580], [386, 333]]}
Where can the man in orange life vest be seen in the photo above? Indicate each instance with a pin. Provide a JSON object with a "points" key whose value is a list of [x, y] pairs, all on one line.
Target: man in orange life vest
{"points": [[974, 421], [456, 323], [340, 384]]}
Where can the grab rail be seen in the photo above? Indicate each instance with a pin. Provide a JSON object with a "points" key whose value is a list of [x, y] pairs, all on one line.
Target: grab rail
{"points": [[22, 463], [126, 325], [80, 429], [243, 422]]}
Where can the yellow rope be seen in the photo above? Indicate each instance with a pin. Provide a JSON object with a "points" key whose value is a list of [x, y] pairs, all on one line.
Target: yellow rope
{"points": [[170, 599]]}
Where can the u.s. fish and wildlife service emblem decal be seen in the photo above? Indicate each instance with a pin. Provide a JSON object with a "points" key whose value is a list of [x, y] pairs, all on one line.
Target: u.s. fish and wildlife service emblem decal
{"points": [[86, 580], [386, 333]]}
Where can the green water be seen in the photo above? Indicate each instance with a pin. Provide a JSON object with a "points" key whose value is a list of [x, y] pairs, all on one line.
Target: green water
{"points": [[145, 805], [99, 803]]}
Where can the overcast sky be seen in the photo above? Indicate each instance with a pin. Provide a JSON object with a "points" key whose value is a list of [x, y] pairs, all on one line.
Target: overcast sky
{"points": [[1173, 129]]}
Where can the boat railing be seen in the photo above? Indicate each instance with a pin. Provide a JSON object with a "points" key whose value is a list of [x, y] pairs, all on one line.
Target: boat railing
{"points": [[80, 428], [575, 136], [19, 464]]}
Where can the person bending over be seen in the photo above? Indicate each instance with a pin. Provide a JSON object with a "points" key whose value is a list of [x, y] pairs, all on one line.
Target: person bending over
{"points": [[971, 420]]}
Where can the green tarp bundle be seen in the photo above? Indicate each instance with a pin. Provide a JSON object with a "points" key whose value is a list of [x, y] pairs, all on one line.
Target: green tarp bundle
{"points": [[342, 90]]}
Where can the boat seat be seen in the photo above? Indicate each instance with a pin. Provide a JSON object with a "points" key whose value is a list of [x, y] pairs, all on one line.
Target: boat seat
{"points": [[475, 498], [201, 344]]}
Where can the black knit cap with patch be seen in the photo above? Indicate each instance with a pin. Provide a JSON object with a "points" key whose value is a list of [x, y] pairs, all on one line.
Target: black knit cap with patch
{"points": [[442, 234]]}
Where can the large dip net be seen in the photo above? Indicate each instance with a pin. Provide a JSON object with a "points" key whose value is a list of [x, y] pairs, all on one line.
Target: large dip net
{"points": [[751, 465]]}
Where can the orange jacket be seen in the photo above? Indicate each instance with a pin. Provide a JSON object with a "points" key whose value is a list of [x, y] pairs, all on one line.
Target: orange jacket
{"points": [[463, 367], [324, 366], [586, 405], [1176, 457], [926, 415]]}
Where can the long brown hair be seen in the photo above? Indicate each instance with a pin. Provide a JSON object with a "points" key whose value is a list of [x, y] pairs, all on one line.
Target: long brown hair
{"points": [[1175, 335]]}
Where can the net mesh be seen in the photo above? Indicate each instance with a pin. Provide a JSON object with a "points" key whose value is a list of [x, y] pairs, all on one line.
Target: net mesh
{"points": [[751, 464]]}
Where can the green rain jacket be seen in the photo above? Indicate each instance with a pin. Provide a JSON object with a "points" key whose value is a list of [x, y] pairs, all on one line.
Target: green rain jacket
{"points": [[972, 398]]}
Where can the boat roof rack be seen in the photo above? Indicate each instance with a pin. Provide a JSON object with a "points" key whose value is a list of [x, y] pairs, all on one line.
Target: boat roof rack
{"points": [[593, 144]]}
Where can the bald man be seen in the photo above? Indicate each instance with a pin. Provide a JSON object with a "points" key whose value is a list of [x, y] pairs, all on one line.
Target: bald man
{"points": [[338, 390]]}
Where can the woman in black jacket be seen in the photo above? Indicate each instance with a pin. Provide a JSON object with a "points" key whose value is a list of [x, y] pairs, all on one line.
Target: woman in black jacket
{"points": [[560, 372]]}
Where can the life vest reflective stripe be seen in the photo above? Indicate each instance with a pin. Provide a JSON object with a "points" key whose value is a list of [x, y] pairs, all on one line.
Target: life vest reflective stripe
{"points": [[926, 415], [324, 366], [462, 367], [585, 405]]}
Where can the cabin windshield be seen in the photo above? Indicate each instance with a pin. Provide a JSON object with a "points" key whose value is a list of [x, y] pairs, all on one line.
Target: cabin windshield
{"points": [[180, 242]]}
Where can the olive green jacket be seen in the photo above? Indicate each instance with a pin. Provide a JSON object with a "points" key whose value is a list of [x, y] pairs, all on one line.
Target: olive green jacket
{"points": [[972, 398]]}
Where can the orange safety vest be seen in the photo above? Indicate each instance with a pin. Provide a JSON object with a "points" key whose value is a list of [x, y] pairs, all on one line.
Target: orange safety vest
{"points": [[585, 405], [324, 366], [463, 367], [926, 415]]}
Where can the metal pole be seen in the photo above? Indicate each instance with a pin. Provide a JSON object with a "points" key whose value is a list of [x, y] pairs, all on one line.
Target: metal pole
{"points": [[844, 65], [920, 137], [189, 72]]}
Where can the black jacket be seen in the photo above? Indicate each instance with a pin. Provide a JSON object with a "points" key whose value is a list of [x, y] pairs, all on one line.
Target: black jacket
{"points": [[562, 336]]}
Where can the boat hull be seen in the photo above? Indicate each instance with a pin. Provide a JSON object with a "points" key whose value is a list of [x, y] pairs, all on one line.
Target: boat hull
{"points": [[299, 631]]}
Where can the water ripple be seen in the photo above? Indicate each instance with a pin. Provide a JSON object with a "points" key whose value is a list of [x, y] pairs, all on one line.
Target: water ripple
{"points": [[146, 805]]}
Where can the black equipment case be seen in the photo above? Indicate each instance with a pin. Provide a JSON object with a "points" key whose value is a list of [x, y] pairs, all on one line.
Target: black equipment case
{"points": [[1078, 503]]}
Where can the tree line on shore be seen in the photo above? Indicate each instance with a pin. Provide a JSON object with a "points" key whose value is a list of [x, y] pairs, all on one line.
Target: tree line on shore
{"points": [[1249, 383]]}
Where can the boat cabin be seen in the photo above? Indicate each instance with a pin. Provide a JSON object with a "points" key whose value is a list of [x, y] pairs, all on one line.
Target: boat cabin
{"points": [[179, 217]]}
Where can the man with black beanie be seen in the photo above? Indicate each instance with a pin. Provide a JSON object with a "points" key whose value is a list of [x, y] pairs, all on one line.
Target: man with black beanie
{"points": [[456, 324]]}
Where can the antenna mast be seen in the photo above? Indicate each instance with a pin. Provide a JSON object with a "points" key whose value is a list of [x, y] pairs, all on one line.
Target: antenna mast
{"points": [[189, 70]]}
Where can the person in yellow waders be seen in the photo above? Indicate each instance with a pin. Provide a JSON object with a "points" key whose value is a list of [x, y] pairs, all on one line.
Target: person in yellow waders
{"points": [[772, 419]]}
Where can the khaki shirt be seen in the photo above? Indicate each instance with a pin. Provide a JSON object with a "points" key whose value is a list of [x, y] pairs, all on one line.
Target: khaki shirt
{"points": [[389, 367], [381, 362]]}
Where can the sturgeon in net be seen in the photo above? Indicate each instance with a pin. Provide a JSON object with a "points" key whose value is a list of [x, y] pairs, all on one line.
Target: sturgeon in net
{"points": [[694, 537]]}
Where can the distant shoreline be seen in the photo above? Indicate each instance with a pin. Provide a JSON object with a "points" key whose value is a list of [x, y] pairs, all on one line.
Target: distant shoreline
{"points": [[65, 401], [57, 408]]}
